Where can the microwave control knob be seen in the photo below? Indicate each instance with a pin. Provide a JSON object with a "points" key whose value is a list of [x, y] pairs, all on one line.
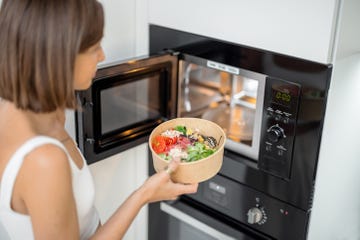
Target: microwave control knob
{"points": [[275, 133], [255, 215]]}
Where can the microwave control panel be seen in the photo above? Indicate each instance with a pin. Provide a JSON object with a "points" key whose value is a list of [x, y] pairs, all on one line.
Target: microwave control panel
{"points": [[278, 126]]}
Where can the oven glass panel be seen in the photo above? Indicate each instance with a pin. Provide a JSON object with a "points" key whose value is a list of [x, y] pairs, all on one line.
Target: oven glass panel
{"points": [[182, 231], [183, 221], [130, 103]]}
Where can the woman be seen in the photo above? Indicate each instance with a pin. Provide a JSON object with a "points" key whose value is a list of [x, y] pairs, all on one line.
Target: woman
{"points": [[49, 49]]}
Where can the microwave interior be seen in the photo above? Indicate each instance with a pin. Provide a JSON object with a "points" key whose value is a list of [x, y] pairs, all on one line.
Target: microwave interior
{"points": [[232, 99]]}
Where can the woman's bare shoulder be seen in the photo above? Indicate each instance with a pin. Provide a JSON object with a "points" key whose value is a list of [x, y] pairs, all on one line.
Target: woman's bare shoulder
{"points": [[47, 157], [44, 180], [45, 188]]}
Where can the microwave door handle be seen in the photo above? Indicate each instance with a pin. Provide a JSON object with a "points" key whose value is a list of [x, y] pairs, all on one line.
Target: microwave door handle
{"points": [[187, 103], [193, 222]]}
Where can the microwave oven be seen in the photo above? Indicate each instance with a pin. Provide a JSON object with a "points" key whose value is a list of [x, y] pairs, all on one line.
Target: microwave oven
{"points": [[255, 95]]}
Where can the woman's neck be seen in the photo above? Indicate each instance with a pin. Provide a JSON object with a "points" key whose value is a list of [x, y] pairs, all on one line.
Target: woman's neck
{"points": [[50, 124]]}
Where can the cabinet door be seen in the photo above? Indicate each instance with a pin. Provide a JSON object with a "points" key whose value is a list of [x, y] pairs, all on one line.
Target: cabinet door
{"points": [[303, 29]]}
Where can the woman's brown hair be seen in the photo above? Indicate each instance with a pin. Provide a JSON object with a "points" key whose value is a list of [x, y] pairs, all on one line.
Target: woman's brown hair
{"points": [[39, 42]]}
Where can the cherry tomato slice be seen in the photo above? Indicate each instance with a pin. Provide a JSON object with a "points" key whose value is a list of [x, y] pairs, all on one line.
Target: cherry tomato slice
{"points": [[170, 141], [159, 144]]}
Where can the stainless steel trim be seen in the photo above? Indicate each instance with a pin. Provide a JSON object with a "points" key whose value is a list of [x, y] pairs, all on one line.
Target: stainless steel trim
{"points": [[193, 222], [246, 150], [252, 151]]}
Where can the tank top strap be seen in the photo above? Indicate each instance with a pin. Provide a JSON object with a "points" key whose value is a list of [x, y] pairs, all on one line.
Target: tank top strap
{"points": [[13, 166]]}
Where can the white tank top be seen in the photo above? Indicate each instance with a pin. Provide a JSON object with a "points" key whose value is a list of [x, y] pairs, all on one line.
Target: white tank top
{"points": [[18, 226]]}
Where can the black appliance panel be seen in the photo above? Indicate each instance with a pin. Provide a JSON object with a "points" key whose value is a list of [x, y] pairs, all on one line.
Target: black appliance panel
{"points": [[225, 205], [206, 221], [278, 127], [253, 208]]}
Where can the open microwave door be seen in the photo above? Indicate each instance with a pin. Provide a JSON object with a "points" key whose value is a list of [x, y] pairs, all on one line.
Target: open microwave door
{"points": [[124, 104]]}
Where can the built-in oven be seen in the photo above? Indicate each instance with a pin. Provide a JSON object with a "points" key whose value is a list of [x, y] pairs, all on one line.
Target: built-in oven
{"points": [[224, 209], [271, 107]]}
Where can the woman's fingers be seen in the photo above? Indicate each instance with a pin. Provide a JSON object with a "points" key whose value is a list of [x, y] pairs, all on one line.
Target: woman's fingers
{"points": [[187, 188], [172, 166], [177, 188]]}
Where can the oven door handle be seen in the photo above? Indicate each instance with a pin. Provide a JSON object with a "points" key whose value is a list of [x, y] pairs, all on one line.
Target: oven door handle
{"points": [[193, 222]]}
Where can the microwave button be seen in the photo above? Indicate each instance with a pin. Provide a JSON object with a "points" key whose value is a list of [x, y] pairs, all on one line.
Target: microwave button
{"points": [[277, 117], [286, 120], [268, 147], [280, 152], [270, 114], [275, 133]]}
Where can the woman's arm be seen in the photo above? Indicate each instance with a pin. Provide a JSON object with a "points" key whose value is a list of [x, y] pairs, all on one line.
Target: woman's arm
{"points": [[157, 187], [45, 187]]}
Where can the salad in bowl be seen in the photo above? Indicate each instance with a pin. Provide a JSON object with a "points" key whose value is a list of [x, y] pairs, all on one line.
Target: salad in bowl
{"points": [[198, 143], [184, 143]]}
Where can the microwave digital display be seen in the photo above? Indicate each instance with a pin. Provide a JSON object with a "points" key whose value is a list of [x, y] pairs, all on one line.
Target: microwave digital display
{"points": [[285, 95], [282, 96]]}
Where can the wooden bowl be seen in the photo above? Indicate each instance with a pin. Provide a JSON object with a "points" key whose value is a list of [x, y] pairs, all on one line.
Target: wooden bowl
{"points": [[200, 170]]}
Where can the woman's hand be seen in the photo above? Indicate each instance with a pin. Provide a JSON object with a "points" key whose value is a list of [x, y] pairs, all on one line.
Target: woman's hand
{"points": [[160, 187]]}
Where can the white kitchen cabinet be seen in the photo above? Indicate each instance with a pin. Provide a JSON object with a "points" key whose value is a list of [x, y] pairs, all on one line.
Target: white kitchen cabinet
{"points": [[304, 29], [348, 29], [125, 34]]}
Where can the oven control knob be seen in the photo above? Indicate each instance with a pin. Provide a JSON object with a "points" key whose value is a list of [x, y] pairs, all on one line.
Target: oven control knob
{"points": [[275, 133], [255, 215]]}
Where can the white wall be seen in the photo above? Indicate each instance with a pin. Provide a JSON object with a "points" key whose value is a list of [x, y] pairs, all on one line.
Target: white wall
{"points": [[336, 209], [116, 177], [298, 28], [349, 34]]}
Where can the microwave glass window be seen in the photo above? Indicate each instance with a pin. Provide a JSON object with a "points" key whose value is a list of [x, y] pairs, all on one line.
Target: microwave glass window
{"points": [[227, 99], [130, 103]]}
